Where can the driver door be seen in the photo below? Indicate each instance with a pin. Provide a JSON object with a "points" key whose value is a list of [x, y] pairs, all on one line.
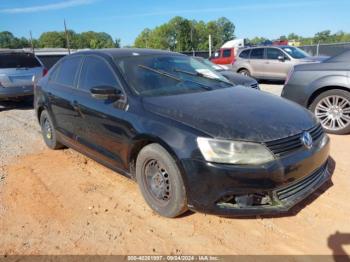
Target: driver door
{"points": [[104, 127]]}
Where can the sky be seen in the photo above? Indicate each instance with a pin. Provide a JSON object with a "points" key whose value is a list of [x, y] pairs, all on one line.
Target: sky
{"points": [[125, 19]]}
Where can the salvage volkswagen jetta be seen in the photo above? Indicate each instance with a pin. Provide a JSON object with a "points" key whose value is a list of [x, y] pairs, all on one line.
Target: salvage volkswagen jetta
{"points": [[182, 132]]}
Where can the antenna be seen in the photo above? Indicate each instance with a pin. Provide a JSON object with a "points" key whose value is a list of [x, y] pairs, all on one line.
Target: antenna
{"points": [[31, 41], [67, 36]]}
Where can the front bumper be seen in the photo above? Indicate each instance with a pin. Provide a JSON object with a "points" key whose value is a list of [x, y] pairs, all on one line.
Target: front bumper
{"points": [[13, 92], [272, 188]]}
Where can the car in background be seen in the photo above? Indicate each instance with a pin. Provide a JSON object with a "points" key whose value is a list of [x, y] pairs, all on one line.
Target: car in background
{"points": [[324, 88], [234, 78], [17, 72], [178, 128], [270, 63]]}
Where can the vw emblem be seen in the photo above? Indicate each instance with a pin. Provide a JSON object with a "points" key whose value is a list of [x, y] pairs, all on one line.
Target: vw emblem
{"points": [[306, 139]]}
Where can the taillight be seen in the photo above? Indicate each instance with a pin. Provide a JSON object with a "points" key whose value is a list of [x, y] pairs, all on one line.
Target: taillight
{"points": [[289, 76], [233, 60], [45, 71]]}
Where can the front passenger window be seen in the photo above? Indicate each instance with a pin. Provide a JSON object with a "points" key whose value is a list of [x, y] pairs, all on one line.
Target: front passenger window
{"points": [[273, 53], [96, 72]]}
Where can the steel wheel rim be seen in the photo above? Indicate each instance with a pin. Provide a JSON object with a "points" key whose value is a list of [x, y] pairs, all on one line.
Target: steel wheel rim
{"points": [[48, 129], [157, 181], [333, 112]]}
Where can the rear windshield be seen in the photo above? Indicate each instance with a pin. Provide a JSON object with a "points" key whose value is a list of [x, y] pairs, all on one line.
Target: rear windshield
{"points": [[18, 61]]}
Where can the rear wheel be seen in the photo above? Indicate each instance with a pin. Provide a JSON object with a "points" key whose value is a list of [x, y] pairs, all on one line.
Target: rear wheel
{"points": [[48, 131], [244, 72], [332, 108], [160, 181]]}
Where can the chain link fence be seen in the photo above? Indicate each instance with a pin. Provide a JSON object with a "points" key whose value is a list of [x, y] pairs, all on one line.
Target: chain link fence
{"points": [[313, 50], [326, 49]]}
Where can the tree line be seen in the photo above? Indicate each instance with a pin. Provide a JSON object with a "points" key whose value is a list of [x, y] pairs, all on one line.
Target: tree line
{"points": [[178, 34], [56, 39], [181, 34], [323, 37]]}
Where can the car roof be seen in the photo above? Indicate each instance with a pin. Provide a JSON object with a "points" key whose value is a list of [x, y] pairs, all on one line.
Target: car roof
{"points": [[9, 51], [266, 46], [126, 52]]}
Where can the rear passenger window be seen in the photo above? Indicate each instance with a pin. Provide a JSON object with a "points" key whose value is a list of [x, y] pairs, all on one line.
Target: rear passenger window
{"points": [[18, 60], [244, 54], [96, 72], [68, 70], [227, 53], [257, 53]]}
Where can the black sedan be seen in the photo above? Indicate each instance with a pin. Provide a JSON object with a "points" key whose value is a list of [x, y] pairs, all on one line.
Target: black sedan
{"points": [[324, 88], [182, 132], [234, 78]]}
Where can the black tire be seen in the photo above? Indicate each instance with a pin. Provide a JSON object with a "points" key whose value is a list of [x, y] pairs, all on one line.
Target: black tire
{"points": [[244, 72], [334, 92], [172, 201], [48, 131]]}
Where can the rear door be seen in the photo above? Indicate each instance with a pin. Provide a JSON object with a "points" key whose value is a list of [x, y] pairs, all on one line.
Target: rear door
{"points": [[257, 62], [62, 83], [18, 69], [275, 68]]}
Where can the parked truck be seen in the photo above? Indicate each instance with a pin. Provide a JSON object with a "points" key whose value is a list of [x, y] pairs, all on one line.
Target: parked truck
{"points": [[227, 53]]}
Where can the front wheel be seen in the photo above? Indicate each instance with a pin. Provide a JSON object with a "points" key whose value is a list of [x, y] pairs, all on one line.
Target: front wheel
{"points": [[332, 108], [160, 181]]}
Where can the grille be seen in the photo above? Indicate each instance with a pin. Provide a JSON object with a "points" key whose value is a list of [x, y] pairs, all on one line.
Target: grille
{"points": [[285, 146], [255, 85], [301, 185]]}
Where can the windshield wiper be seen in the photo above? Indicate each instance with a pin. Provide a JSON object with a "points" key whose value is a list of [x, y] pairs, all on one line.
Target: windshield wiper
{"points": [[173, 77], [160, 72], [201, 75]]}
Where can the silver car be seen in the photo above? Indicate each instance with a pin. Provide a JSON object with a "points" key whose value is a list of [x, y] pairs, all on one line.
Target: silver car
{"points": [[271, 62], [17, 71]]}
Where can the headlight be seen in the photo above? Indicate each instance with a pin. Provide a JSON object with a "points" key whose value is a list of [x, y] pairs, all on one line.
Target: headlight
{"points": [[233, 152]]}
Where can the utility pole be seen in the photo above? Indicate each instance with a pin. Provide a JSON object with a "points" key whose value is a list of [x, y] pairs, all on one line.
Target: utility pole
{"points": [[209, 45], [193, 53], [31, 41], [67, 36]]}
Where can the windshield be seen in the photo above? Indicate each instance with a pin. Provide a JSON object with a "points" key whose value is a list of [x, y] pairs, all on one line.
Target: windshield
{"points": [[156, 75], [295, 52]]}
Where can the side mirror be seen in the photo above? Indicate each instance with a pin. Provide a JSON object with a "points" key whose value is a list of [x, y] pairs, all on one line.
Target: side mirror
{"points": [[105, 92], [281, 58]]}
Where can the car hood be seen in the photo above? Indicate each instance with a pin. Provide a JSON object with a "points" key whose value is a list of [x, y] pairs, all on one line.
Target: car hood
{"points": [[235, 113]]}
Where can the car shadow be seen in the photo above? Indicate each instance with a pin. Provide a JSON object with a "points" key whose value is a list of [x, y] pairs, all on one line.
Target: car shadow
{"points": [[336, 243], [22, 104]]}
